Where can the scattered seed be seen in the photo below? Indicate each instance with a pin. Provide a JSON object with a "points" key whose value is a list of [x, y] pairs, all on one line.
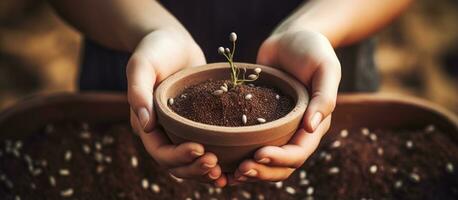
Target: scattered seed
{"points": [[430, 128], [310, 191], [64, 172], [68, 155], [224, 89], [449, 167], [17, 197], [52, 181], [261, 197], [218, 92], [86, 149], [145, 183], [302, 174], [257, 70], [67, 193], [394, 170], [18, 144], [248, 96], [33, 186], [98, 146], [373, 169], [415, 177], [107, 140], [277, 97], [171, 101], [398, 184], [304, 182], [344, 133], [196, 195], [380, 151], [373, 137], [365, 131], [328, 157], [134, 161], [333, 170], [409, 144], [108, 159], [244, 119], [279, 184], [245, 194], [85, 134], [98, 157], [37, 172], [183, 96], [252, 76], [335, 144], [44, 163], [218, 190], [211, 190], [99, 169], [290, 190], [251, 84], [261, 120]]}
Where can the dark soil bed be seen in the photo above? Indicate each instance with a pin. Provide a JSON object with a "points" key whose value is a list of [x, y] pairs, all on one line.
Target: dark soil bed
{"points": [[198, 103], [80, 161]]}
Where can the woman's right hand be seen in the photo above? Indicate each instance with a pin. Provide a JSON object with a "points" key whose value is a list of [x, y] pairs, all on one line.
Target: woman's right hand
{"points": [[158, 55]]}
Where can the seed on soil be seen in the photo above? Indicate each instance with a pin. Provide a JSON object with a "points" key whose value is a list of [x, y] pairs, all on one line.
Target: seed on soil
{"points": [[64, 172], [68, 155], [99, 169], [251, 84], [290, 190], [277, 97], [409, 144], [373, 169], [335, 144], [252, 76], [333, 170], [257, 70], [17, 197], [415, 177], [171, 101], [134, 161], [328, 157], [245, 194], [98, 157], [98, 146], [449, 167], [244, 119], [224, 89], [248, 96], [145, 183], [85, 134], [52, 181], [183, 96], [67, 193], [279, 184], [344, 133], [380, 151], [365, 131], [36, 172], [218, 92], [373, 137], [196, 195], [398, 184], [86, 149], [304, 182], [310, 191], [108, 159], [107, 140], [261, 120], [302, 174], [430, 128]]}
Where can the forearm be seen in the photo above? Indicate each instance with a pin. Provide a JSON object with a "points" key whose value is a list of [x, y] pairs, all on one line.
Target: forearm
{"points": [[344, 22], [118, 24]]}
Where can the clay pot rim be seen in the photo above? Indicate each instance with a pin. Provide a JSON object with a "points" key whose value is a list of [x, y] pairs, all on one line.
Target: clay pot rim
{"points": [[161, 99]]}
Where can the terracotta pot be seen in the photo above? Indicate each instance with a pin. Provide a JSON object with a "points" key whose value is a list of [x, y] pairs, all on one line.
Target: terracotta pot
{"points": [[230, 144]]}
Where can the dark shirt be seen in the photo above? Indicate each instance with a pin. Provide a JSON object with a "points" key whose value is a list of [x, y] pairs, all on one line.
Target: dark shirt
{"points": [[210, 22]]}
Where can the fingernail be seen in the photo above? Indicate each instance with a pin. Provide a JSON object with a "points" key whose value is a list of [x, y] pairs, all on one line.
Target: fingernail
{"points": [[143, 117], [264, 160], [316, 120], [212, 176], [196, 153], [207, 166], [242, 178], [251, 173]]}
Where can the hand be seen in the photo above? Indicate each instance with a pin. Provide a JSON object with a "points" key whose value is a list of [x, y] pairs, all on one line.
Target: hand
{"points": [[158, 55], [310, 57]]}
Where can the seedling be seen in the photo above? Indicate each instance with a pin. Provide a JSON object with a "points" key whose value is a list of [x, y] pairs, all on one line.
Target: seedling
{"points": [[238, 75]]}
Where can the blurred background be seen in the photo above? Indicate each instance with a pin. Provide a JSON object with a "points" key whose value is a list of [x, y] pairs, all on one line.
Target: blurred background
{"points": [[417, 54]]}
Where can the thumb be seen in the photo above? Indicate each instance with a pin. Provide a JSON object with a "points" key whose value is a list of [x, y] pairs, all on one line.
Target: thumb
{"points": [[325, 83], [267, 54], [141, 78]]}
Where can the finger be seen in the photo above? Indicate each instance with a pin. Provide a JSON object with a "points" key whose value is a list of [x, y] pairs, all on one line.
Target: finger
{"points": [[267, 53], [251, 169], [291, 156], [325, 84], [141, 78], [168, 155], [198, 168], [221, 181]]}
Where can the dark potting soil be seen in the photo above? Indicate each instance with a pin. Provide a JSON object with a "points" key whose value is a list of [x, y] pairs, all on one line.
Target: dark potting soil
{"points": [[105, 161], [198, 103]]}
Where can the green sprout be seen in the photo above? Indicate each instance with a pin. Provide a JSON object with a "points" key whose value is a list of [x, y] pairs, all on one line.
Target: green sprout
{"points": [[237, 76]]}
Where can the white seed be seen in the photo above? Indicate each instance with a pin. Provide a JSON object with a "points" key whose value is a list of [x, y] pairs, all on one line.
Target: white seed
{"points": [[261, 197], [17, 197], [86, 149], [394, 170], [44, 163], [108, 159], [18, 144], [430, 128], [449, 167], [310, 191], [328, 157], [107, 140], [373, 169], [335, 144], [233, 37], [134, 161], [183, 96], [244, 119], [67, 193], [373, 137], [211, 190], [145, 183], [261, 120], [302, 174], [380, 151], [196, 195], [344, 133], [409, 144], [98, 157], [251, 84], [171, 101], [257, 70], [98, 146], [252, 76], [279, 184], [52, 181], [218, 190], [224, 89], [178, 180], [68, 155], [304, 182], [99, 169], [221, 50], [64, 172], [365, 131], [333, 170], [85, 134], [248, 96], [290, 190], [415, 177], [277, 97], [245, 194], [218, 92], [398, 184], [36, 172]]}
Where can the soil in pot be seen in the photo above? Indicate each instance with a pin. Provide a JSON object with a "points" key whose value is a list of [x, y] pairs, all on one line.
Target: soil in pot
{"points": [[75, 160], [216, 102]]}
